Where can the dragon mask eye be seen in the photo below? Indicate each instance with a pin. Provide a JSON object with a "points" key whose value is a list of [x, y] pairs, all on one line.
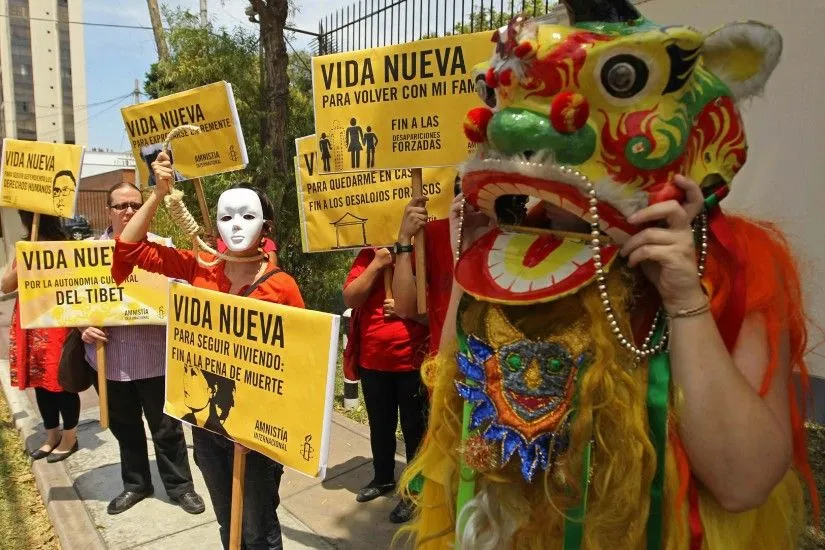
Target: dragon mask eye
{"points": [[624, 76]]}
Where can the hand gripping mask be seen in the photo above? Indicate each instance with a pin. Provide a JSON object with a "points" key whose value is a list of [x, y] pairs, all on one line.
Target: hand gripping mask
{"points": [[601, 114]]}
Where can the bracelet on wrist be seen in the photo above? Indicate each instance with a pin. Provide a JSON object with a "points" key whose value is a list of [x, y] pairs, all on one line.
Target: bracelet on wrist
{"points": [[691, 312]]}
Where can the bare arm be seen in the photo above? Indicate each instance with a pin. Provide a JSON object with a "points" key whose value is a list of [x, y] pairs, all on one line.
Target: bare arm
{"points": [[357, 292], [8, 283], [403, 280], [739, 444], [448, 331]]}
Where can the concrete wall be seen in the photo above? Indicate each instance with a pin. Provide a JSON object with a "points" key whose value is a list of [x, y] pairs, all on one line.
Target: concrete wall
{"points": [[783, 177]]}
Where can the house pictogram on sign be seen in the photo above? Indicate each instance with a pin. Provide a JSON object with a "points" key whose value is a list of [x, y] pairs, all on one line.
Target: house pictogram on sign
{"points": [[348, 226]]}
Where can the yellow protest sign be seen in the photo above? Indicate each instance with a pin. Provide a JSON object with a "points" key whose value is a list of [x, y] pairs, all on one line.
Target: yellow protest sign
{"points": [[219, 147], [40, 177], [360, 209], [258, 373], [399, 106], [69, 284]]}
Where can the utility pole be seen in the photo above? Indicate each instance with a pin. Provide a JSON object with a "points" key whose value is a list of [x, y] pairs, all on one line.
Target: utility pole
{"points": [[136, 92], [157, 28], [203, 13]]}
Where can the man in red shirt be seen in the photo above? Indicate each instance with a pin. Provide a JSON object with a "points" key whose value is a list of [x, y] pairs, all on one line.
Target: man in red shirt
{"points": [[390, 353]]}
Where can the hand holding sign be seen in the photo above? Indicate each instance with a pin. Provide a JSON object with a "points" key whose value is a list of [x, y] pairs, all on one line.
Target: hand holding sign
{"points": [[164, 174], [93, 335], [415, 217], [383, 258]]}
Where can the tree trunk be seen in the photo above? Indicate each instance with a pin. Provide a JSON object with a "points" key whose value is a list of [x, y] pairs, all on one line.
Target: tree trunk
{"points": [[157, 29], [272, 16]]}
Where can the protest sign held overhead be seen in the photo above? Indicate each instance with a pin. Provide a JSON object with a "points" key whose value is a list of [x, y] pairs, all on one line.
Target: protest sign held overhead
{"points": [[397, 106], [40, 177], [69, 284], [259, 373], [218, 146], [360, 209]]}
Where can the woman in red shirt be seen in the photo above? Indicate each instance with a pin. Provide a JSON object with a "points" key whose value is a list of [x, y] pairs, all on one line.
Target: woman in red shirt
{"points": [[34, 358], [245, 218], [390, 353]]}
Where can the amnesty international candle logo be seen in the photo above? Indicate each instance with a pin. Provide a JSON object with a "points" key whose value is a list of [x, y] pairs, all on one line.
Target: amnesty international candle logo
{"points": [[69, 284], [40, 177], [360, 209], [217, 147], [398, 106], [258, 373]]}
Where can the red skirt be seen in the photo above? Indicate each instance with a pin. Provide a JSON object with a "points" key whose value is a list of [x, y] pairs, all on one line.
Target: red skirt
{"points": [[34, 355]]}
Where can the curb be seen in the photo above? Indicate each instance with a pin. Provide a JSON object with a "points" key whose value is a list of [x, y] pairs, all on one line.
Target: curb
{"points": [[70, 519]]}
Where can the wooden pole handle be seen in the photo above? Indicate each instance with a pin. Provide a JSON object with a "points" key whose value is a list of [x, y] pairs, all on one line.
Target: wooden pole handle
{"points": [[102, 388], [35, 227], [388, 282], [236, 514], [420, 250]]}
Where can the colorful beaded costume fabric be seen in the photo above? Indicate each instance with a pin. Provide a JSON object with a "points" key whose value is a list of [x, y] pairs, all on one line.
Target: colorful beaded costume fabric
{"points": [[554, 422]]}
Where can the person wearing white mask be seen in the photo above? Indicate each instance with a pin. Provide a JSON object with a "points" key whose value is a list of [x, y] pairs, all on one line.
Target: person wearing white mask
{"points": [[245, 219]]}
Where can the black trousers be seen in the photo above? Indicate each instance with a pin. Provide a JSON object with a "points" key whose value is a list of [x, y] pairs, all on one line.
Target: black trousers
{"points": [[261, 529], [53, 405], [128, 403], [385, 395]]}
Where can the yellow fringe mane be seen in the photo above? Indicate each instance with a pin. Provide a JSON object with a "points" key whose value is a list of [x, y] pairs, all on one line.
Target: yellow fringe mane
{"points": [[612, 412]]}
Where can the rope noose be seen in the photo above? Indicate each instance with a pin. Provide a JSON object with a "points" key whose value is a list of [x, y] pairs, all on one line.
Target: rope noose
{"points": [[184, 219]]}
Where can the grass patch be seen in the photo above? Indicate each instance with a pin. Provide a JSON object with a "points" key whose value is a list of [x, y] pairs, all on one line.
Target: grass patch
{"points": [[816, 454], [24, 522]]}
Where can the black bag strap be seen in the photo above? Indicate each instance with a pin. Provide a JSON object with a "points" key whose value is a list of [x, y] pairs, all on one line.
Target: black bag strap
{"points": [[251, 288]]}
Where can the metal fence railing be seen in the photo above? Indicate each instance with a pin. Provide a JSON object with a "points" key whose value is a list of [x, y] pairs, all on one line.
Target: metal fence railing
{"points": [[372, 23]]}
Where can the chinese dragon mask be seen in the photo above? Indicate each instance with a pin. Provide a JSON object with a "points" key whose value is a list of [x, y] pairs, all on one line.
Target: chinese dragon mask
{"points": [[545, 430]]}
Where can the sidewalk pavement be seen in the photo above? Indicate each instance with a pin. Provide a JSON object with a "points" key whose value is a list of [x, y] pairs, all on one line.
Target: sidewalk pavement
{"points": [[313, 514]]}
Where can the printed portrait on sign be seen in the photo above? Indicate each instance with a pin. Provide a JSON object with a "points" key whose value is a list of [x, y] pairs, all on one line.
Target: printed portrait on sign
{"points": [[209, 398], [64, 185]]}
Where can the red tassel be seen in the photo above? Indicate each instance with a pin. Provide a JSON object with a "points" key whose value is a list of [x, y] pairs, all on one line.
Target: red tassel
{"points": [[475, 124], [697, 533], [506, 77], [490, 78], [523, 50]]}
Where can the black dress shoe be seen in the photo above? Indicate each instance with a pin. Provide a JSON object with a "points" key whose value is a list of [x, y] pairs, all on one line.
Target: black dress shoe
{"points": [[37, 454], [126, 500], [191, 502], [374, 490], [57, 456], [403, 512]]}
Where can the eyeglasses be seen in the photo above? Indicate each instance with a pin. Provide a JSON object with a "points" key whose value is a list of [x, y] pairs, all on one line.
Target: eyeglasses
{"points": [[124, 205]]}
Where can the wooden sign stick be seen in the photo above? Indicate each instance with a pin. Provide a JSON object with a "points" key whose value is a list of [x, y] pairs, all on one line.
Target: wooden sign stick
{"points": [[35, 227], [420, 250], [388, 282], [236, 514], [102, 387]]}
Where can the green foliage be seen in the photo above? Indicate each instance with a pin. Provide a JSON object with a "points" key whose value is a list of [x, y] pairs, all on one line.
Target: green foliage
{"points": [[202, 55]]}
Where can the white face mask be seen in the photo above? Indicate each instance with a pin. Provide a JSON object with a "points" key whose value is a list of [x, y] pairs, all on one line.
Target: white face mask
{"points": [[240, 219]]}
